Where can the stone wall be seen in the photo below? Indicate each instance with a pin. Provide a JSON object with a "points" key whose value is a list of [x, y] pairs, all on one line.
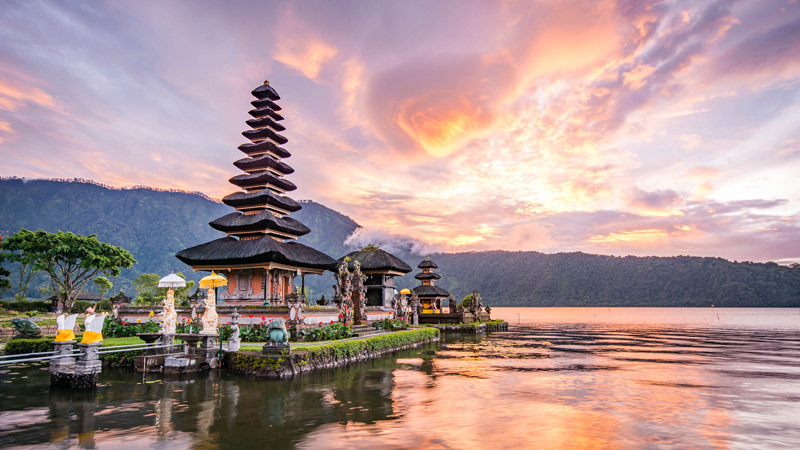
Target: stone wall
{"points": [[326, 356]]}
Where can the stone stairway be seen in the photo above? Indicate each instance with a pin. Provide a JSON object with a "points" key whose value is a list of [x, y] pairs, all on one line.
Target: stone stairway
{"points": [[365, 330]]}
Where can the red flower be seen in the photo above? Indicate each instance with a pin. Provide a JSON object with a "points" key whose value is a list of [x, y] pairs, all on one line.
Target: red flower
{"points": [[341, 315], [251, 316], [331, 321], [263, 318], [320, 323]]}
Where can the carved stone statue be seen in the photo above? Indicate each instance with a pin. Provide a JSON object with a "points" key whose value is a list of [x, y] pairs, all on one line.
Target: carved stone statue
{"points": [[170, 317], [452, 304], [277, 331], [322, 301], [210, 318], [278, 338], [25, 328]]}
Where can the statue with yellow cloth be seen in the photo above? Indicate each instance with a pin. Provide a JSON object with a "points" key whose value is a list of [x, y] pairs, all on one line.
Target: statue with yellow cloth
{"points": [[94, 327], [66, 327], [169, 316], [210, 318]]}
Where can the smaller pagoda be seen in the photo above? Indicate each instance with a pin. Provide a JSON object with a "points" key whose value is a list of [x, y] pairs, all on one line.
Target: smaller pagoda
{"points": [[430, 296], [380, 268]]}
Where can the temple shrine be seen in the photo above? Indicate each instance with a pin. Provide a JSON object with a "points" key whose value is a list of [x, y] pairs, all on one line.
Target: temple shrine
{"points": [[430, 296], [259, 254], [379, 268]]}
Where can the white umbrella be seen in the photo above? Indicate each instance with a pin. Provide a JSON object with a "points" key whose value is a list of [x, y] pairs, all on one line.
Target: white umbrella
{"points": [[172, 281]]}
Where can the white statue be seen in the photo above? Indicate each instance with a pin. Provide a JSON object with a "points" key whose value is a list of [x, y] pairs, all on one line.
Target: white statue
{"points": [[170, 317], [66, 327], [94, 327], [210, 318]]}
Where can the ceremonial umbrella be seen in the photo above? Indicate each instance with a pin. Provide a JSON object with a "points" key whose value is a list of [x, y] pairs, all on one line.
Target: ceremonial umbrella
{"points": [[172, 281], [405, 292], [213, 281]]}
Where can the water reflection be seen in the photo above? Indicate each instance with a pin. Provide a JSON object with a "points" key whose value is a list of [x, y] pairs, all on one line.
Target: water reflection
{"points": [[542, 385]]}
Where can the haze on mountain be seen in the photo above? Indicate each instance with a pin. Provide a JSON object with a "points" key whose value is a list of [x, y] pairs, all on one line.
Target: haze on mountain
{"points": [[154, 224]]}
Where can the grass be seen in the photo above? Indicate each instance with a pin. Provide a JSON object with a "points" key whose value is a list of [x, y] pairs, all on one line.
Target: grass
{"points": [[350, 347]]}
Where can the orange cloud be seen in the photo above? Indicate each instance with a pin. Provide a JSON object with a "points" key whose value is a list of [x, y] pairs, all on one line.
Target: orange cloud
{"points": [[633, 236], [14, 95], [304, 54]]}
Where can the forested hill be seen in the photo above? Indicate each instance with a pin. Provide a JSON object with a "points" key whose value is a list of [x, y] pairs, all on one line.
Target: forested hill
{"points": [[580, 279], [153, 225]]}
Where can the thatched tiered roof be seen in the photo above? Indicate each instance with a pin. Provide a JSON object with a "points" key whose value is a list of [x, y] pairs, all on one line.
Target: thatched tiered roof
{"points": [[261, 221]]}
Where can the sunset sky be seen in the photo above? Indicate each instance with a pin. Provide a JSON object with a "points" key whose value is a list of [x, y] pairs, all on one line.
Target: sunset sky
{"points": [[627, 127]]}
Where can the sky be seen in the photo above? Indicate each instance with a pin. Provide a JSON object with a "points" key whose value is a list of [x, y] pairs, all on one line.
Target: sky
{"points": [[613, 127]]}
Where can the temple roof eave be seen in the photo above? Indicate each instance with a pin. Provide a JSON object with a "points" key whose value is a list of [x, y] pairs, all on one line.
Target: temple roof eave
{"points": [[228, 252]]}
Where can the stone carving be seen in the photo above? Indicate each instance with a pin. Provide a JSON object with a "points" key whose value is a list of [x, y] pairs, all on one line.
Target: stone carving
{"points": [[25, 328], [452, 304], [344, 290], [361, 293], [278, 338], [323, 301], [169, 316], [210, 318], [277, 331]]}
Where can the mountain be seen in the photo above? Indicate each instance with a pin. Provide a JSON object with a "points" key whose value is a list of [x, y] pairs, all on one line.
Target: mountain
{"points": [[154, 224]]}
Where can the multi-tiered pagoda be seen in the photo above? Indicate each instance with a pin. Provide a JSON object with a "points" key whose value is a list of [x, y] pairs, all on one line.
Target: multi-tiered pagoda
{"points": [[430, 296], [259, 255]]}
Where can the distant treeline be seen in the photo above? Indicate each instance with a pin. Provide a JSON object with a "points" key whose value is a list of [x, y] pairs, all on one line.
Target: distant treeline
{"points": [[580, 279], [154, 224]]}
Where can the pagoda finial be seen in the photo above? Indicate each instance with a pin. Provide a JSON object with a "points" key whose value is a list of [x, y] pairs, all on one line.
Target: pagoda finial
{"points": [[266, 82], [427, 257]]}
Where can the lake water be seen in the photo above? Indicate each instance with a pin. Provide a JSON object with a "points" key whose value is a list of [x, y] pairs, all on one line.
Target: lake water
{"points": [[559, 378]]}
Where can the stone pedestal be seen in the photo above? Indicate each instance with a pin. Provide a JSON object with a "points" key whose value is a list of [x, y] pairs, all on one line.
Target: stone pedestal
{"points": [[272, 348], [234, 345], [177, 365], [208, 347], [62, 369], [87, 367]]}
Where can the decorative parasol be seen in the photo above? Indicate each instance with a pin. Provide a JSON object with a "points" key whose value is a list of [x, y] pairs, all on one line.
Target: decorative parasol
{"points": [[212, 281], [405, 292], [171, 281]]}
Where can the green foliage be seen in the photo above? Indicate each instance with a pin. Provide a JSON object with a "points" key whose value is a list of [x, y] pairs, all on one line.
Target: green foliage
{"points": [[79, 307], [465, 302], [25, 305], [146, 286], [19, 346], [32, 313], [69, 259], [103, 285], [327, 332], [344, 349], [5, 283], [390, 324], [105, 305], [120, 328]]}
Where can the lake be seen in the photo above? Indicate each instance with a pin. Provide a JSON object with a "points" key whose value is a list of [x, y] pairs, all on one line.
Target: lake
{"points": [[559, 378]]}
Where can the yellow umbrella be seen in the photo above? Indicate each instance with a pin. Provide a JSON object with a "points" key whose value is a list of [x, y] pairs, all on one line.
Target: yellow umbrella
{"points": [[212, 281], [405, 292]]}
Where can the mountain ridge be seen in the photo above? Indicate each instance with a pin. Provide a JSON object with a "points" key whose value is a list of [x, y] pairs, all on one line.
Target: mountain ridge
{"points": [[154, 224]]}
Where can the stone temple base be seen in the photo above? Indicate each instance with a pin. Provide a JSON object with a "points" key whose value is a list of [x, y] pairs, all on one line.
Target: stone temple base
{"points": [[182, 364], [275, 349]]}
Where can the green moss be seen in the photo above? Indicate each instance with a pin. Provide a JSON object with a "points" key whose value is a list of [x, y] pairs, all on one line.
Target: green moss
{"points": [[354, 347]]}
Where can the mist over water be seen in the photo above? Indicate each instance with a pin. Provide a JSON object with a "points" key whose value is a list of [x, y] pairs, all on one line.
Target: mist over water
{"points": [[560, 378]]}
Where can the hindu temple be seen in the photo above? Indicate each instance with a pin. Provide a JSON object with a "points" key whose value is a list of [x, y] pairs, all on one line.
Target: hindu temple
{"points": [[430, 296], [380, 268], [259, 254]]}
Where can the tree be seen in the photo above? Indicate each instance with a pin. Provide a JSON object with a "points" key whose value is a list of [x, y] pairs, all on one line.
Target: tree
{"points": [[181, 294], [4, 283], [26, 262], [103, 285], [146, 286], [69, 259]]}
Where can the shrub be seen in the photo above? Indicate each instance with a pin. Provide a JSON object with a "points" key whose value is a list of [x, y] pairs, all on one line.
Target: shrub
{"points": [[80, 306], [375, 343], [120, 328], [390, 324], [27, 305], [19, 346], [329, 332], [105, 305]]}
